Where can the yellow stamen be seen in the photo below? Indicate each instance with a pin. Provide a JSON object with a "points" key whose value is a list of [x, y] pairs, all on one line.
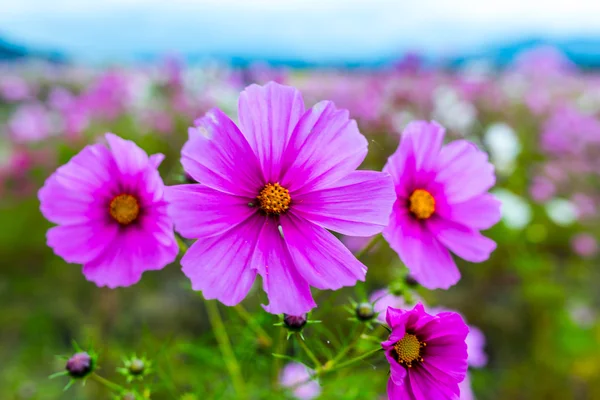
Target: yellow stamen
{"points": [[274, 199], [124, 208], [408, 349], [421, 204]]}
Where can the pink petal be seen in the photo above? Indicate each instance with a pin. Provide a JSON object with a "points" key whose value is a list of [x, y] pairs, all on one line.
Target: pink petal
{"points": [[397, 371], [464, 171], [83, 242], [320, 257], [427, 259], [462, 241], [426, 140], [222, 159], [359, 204], [221, 266], [130, 159], [287, 290], [425, 387], [479, 212], [156, 159], [325, 147], [199, 211], [268, 115], [399, 392], [133, 251], [76, 191]]}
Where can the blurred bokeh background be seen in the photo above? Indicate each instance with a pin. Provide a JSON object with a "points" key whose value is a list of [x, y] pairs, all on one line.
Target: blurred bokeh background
{"points": [[520, 79]]}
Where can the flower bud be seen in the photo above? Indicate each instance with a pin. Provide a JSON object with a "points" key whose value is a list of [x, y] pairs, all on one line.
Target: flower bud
{"points": [[411, 281], [365, 311], [294, 323], [79, 365], [137, 366]]}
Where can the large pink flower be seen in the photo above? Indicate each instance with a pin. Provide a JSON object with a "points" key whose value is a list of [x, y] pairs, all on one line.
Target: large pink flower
{"points": [[268, 194], [110, 212], [442, 203], [427, 354]]}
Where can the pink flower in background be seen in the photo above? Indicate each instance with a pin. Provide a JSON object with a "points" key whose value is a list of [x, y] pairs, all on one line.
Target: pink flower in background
{"points": [[109, 96], [442, 203], [570, 131], [73, 110], [269, 192], [14, 89], [427, 354], [110, 212], [30, 123], [292, 377], [543, 62], [382, 299], [476, 348], [585, 245], [542, 189]]}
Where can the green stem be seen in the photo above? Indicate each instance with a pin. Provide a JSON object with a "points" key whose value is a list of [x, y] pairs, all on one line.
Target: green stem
{"points": [[353, 360], [369, 246], [111, 385], [263, 336], [350, 345], [311, 355], [281, 347], [225, 346]]}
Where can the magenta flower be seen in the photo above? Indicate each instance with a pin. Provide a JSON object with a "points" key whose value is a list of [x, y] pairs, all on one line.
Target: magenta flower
{"points": [[268, 194], [441, 204], [297, 377], [110, 212], [427, 354]]}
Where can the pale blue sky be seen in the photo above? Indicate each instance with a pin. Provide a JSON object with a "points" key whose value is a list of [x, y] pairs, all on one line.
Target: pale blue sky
{"points": [[325, 30]]}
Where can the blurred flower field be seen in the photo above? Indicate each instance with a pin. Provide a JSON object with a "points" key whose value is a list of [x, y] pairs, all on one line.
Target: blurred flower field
{"points": [[533, 304]]}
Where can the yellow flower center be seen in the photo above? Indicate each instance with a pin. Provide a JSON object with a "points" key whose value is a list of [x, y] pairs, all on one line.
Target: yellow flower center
{"points": [[421, 204], [408, 349], [124, 208], [274, 199]]}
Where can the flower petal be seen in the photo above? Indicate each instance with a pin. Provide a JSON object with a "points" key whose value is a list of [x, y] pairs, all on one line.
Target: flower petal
{"points": [[426, 140], [221, 158], [464, 171], [358, 205], [132, 252], [320, 257], [425, 387], [397, 371], [325, 147], [220, 266], [130, 159], [479, 212], [427, 259], [399, 392], [268, 115], [83, 242], [199, 211], [75, 192], [462, 241], [287, 290]]}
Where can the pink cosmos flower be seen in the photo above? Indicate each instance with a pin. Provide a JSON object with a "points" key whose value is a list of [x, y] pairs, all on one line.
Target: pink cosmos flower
{"points": [[441, 204], [269, 192], [293, 375], [30, 123], [110, 212], [427, 354]]}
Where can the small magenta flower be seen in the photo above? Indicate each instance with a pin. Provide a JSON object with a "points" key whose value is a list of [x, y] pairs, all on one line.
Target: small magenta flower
{"points": [[110, 212], [269, 193], [297, 378], [427, 354], [442, 203]]}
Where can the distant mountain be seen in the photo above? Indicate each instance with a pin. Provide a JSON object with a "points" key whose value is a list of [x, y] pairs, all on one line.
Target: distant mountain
{"points": [[12, 52], [584, 52]]}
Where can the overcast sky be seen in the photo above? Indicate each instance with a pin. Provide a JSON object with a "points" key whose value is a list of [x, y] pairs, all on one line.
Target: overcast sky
{"points": [[325, 30]]}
